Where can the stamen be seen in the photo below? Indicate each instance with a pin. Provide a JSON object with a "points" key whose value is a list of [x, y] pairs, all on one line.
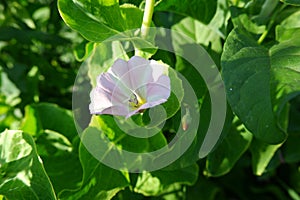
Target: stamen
{"points": [[133, 101]]}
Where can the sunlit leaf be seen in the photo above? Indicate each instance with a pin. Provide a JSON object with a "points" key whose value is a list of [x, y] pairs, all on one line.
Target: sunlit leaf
{"points": [[262, 154], [22, 172]]}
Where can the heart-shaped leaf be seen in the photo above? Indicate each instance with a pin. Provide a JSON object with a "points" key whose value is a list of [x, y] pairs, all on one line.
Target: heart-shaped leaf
{"points": [[260, 81]]}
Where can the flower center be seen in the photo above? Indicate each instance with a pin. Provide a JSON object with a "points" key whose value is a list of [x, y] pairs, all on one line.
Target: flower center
{"points": [[136, 101]]}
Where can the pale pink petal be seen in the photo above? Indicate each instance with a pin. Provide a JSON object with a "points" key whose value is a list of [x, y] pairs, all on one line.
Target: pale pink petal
{"points": [[101, 103], [119, 68], [126, 73], [158, 90], [106, 81], [137, 61], [139, 72], [109, 92], [158, 69], [138, 76], [118, 92], [100, 100]]}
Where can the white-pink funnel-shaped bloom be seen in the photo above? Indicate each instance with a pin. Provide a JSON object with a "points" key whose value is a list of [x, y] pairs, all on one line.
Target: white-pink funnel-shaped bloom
{"points": [[130, 87]]}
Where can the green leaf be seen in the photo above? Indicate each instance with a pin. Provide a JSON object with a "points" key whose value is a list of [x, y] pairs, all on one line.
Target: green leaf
{"points": [[22, 172], [129, 12], [259, 79], [32, 123], [201, 10], [174, 102], [288, 28], [163, 181], [241, 19], [196, 65], [224, 157], [102, 58], [292, 2], [42, 116], [209, 189], [99, 20], [8, 89], [61, 160], [55, 133], [262, 154], [207, 35], [109, 127], [9, 116], [290, 149], [83, 50], [99, 181], [95, 20], [294, 116], [267, 10]]}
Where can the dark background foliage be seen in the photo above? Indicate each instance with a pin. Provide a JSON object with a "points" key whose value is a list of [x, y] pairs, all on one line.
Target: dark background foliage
{"points": [[40, 57]]}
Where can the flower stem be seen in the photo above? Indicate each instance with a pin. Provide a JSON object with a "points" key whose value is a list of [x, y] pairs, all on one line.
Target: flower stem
{"points": [[147, 19]]}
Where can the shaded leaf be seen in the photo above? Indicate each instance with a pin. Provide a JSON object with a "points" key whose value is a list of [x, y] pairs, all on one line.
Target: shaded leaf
{"points": [[163, 181], [257, 78], [55, 133], [292, 2], [207, 35], [44, 116], [290, 149], [241, 19], [202, 75], [224, 157], [99, 181], [201, 10], [208, 189]]}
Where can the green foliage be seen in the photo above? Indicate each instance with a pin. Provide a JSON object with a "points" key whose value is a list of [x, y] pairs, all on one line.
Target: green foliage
{"points": [[56, 144], [93, 28], [98, 182], [22, 172], [292, 2], [201, 10], [45, 153], [272, 79], [229, 151]]}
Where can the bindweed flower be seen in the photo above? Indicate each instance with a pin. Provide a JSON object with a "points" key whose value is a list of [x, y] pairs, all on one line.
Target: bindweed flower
{"points": [[128, 88]]}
